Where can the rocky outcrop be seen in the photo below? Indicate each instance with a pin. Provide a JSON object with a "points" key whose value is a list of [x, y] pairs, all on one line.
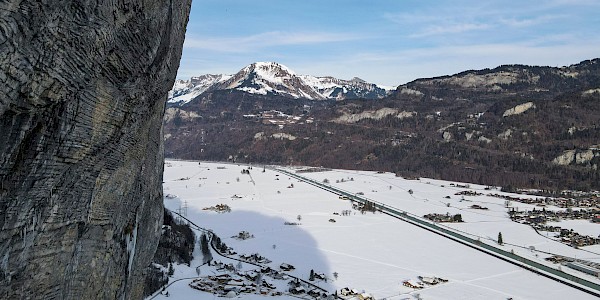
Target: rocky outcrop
{"points": [[374, 115], [519, 109], [579, 157], [83, 86]]}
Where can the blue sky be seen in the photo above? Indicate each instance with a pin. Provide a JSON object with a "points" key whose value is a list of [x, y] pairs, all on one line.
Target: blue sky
{"points": [[388, 42]]}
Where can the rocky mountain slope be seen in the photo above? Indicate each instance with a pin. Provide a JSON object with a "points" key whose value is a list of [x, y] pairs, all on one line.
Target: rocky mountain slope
{"points": [[514, 125], [269, 78], [82, 94]]}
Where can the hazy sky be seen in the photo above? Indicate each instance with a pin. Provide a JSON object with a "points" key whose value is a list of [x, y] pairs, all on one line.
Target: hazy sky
{"points": [[388, 42]]}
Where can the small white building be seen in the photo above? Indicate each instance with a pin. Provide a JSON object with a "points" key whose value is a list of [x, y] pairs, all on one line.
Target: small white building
{"points": [[365, 296], [429, 280]]}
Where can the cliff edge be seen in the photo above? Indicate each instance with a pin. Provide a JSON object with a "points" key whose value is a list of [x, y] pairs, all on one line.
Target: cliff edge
{"points": [[83, 86]]}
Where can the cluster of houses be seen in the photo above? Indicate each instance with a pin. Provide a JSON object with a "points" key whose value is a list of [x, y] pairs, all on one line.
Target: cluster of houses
{"points": [[312, 170], [441, 218], [559, 202], [468, 193], [538, 218], [243, 235], [350, 293], [570, 237], [233, 282], [297, 287], [255, 258], [423, 281], [220, 208], [232, 285]]}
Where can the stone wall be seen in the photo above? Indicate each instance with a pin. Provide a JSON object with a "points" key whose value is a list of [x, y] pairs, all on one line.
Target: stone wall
{"points": [[82, 92]]}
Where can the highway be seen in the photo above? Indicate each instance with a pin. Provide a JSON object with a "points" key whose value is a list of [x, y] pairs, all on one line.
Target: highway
{"points": [[545, 270]]}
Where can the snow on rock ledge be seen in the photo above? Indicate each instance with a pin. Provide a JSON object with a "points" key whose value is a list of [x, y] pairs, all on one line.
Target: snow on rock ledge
{"points": [[519, 109], [374, 114], [282, 136], [579, 157]]}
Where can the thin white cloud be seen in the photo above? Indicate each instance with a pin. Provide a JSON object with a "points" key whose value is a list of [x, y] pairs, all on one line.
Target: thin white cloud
{"points": [[413, 18], [437, 22], [527, 22], [398, 67], [265, 40], [450, 29], [572, 3]]}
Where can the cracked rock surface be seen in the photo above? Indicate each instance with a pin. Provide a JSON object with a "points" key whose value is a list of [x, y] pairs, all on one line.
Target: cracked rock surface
{"points": [[83, 86]]}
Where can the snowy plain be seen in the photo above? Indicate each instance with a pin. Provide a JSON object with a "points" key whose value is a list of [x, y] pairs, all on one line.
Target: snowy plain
{"points": [[370, 252]]}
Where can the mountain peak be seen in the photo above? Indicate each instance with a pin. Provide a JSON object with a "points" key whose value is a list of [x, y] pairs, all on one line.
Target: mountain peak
{"points": [[269, 69], [356, 79]]}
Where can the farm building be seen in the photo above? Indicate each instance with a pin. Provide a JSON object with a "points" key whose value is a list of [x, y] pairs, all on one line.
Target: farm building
{"points": [[412, 284], [365, 296]]}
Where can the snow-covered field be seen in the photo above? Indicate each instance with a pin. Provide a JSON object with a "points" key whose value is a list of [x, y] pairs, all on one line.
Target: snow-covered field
{"points": [[370, 252]]}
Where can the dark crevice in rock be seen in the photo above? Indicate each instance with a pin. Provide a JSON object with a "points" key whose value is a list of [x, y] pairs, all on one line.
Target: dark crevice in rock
{"points": [[176, 245]]}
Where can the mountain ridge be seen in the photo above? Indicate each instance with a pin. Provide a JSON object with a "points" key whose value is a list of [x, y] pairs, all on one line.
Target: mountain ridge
{"points": [[271, 78]]}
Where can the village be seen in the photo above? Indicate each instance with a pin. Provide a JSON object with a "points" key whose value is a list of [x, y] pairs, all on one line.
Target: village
{"points": [[231, 282], [537, 219], [588, 202], [444, 218]]}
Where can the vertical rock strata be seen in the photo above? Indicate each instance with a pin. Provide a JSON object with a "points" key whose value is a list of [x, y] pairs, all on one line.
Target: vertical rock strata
{"points": [[82, 92]]}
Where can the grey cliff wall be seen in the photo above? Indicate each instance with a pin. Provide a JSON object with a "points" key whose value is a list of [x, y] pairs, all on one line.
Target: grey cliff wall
{"points": [[82, 92]]}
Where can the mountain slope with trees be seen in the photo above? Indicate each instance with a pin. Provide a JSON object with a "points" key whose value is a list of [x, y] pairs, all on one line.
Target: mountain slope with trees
{"points": [[514, 126]]}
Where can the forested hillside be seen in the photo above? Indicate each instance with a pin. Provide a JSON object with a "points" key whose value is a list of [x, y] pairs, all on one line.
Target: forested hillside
{"points": [[514, 126]]}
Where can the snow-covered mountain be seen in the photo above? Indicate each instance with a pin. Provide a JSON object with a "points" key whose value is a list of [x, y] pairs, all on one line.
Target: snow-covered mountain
{"points": [[333, 88], [185, 90], [270, 78]]}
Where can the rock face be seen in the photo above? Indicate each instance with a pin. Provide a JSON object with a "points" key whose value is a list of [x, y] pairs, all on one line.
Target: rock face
{"points": [[82, 92]]}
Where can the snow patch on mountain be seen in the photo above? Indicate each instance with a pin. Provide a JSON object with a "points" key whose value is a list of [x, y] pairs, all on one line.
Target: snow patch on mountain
{"points": [[591, 91], [580, 157], [519, 109], [171, 113], [374, 114], [407, 91], [185, 90], [282, 136]]}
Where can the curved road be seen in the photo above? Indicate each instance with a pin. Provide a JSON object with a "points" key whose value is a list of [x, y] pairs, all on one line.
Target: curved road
{"points": [[211, 235]]}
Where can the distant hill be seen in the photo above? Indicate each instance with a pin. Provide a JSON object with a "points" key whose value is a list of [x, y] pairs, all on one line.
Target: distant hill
{"points": [[515, 126]]}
